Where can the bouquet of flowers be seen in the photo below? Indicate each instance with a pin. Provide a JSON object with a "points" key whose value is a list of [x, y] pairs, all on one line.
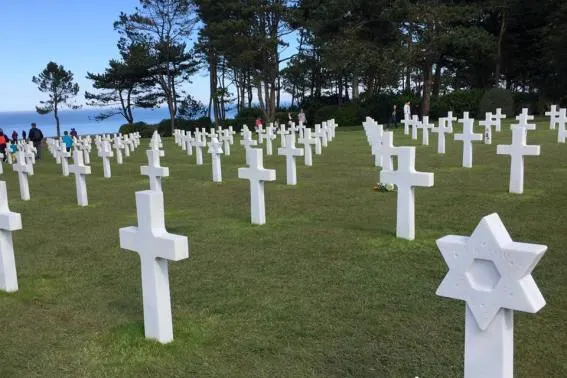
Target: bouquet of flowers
{"points": [[384, 187]]}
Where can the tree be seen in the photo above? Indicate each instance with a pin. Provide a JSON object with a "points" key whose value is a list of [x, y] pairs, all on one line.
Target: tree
{"points": [[125, 84], [163, 26], [59, 85]]}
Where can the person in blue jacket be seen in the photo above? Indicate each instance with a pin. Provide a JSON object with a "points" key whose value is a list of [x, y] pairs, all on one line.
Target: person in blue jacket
{"points": [[67, 140]]}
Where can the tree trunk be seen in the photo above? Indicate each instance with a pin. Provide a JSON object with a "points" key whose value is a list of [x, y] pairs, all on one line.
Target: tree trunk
{"points": [[56, 114], [436, 81], [355, 83], [503, 25], [427, 83]]}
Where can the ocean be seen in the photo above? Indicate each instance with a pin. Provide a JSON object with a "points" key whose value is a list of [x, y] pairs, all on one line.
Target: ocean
{"points": [[82, 120]]}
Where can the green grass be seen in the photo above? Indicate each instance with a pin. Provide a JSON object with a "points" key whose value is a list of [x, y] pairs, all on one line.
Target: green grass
{"points": [[323, 289]]}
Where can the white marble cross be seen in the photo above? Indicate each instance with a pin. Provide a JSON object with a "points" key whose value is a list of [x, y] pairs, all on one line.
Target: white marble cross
{"points": [[468, 136], [488, 122], [80, 171], [322, 135], [498, 117], [105, 153], [125, 144], [425, 127], [375, 133], [247, 140], [270, 136], [9, 221], [407, 121], [307, 141], [517, 150], [226, 137], [282, 132], [441, 130], [523, 120], [561, 126], [450, 119], [414, 126], [290, 152], [64, 159], [118, 146], [492, 274], [187, 141], [198, 144], [257, 174], [215, 150], [388, 151], [406, 178], [23, 170], [155, 246], [553, 113], [154, 170]]}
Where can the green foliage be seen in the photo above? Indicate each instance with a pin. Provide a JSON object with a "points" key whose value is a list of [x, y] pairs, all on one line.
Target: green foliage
{"points": [[497, 98], [145, 130], [345, 115], [164, 126], [458, 102], [58, 83]]}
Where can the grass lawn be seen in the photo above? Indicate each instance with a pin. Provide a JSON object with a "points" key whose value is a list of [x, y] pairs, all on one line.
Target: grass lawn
{"points": [[323, 289]]}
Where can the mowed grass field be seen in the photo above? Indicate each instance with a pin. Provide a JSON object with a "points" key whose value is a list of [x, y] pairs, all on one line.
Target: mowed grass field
{"points": [[324, 289]]}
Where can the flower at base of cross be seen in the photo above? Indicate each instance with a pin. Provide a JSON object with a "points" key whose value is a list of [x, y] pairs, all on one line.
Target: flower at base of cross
{"points": [[379, 187]]}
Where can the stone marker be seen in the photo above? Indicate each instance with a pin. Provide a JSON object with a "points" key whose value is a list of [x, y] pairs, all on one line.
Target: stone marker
{"points": [[488, 122], [270, 136], [257, 174], [23, 170], [226, 137], [425, 127], [105, 153], [517, 150], [155, 246], [118, 146], [498, 117], [492, 274], [215, 150], [407, 121], [406, 178], [322, 135], [388, 151], [523, 120], [307, 141], [414, 126], [80, 171], [247, 140], [553, 113], [198, 144], [290, 152], [154, 170], [282, 133], [9, 221], [441, 130], [64, 160], [562, 128], [468, 136]]}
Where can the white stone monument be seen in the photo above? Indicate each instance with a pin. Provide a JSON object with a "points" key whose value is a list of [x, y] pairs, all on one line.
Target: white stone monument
{"points": [[9, 221], [198, 144], [23, 170], [105, 153], [468, 136], [492, 274], [414, 126], [553, 113], [290, 152], [517, 150], [215, 150], [80, 170], [64, 160], [441, 130], [257, 174], [562, 126], [406, 178], [154, 170], [118, 146], [498, 117], [307, 141], [425, 127], [488, 122], [155, 246], [523, 120]]}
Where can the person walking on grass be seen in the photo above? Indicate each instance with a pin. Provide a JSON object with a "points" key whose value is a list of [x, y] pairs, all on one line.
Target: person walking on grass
{"points": [[301, 118], [394, 117], [36, 136], [67, 140]]}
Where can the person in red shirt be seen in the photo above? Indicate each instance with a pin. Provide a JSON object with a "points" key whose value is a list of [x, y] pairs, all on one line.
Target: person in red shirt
{"points": [[3, 144]]}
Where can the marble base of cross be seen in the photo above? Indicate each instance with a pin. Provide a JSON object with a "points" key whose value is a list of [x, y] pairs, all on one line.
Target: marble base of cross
{"points": [[9, 222]]}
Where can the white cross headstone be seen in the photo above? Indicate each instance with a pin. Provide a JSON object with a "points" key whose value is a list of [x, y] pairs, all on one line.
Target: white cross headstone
{"points": [[523, 120], [155, 246], [247, 140], [215, 150], [498, 117], [407, 121], [414, 126], [154, 170], [64, 159], [468, 136], [290, 152], [23, 170], [257, 174], [125, 144], [517, 150], [441, 130], [9, 221], [561, 125], [450, 119], [226, 137], [388, 151], [321, 134], [198, 144], [425, 127], [282, 132], [105, 153], [80, 171], [187, 141], [492, 274], [488, 122], [406, 178], [118, 146], [270, 136], [553, 113], [307, 141]]}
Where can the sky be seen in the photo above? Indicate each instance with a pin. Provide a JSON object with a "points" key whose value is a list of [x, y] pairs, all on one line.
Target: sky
{"points": [[78, 34]]}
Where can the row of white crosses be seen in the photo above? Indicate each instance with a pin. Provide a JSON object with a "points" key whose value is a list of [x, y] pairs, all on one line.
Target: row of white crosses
{"points": [[155, 247], [558, 118]]}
